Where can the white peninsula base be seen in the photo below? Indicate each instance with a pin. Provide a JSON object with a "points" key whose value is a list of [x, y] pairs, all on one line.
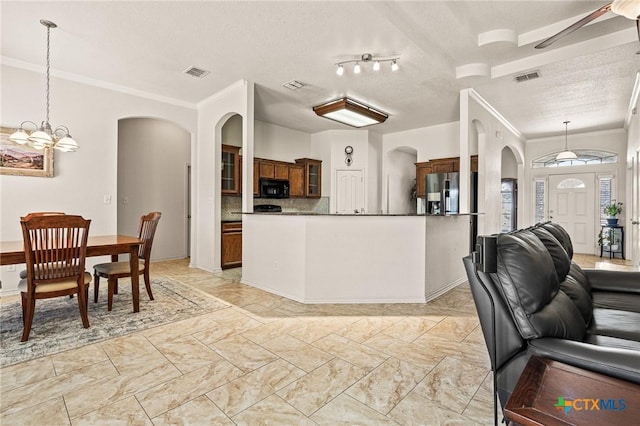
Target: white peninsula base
{"points": [[355, 258]]}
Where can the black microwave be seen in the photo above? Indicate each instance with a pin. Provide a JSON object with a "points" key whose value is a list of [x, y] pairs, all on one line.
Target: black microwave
{"points": [[274, 188]]}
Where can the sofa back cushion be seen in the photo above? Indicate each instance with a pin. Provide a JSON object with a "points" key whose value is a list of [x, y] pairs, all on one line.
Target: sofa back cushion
{"points": [[528, 281], [573, 282], [561, 260], [561, 235]]}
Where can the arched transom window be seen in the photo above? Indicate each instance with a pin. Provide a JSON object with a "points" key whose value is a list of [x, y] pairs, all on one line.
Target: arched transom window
{"points": [[571, 183], [585, 157]]}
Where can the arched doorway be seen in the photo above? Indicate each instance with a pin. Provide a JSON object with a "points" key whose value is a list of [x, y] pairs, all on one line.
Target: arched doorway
{"points": [[154, 175], [400, 180], [508, 191]]}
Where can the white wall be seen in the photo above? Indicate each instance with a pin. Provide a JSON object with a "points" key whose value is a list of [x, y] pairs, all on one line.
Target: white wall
{"points": [[440, 141], [400, 179], [633, 158], [330, 146], [280, 143], [212, 114], [82, 178], [232, 131], [477, 116], [152, 175], [509, 164], [374, 173]]}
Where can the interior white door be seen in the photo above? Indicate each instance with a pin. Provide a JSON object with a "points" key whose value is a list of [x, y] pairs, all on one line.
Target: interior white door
{"points": [[572, 206], [349, 191]]}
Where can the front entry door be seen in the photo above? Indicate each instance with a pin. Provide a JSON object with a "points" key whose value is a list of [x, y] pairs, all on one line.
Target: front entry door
{"points": [[349, 192], [572, 206]]}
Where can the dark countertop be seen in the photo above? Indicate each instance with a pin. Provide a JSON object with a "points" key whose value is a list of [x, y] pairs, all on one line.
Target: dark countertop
{"points": [[358, 214]]}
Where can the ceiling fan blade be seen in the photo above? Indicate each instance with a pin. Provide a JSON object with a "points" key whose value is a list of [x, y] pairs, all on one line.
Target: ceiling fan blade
{"points": [[581, 23]]}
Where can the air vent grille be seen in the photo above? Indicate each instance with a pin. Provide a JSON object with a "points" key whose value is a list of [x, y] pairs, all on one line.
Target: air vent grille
{"points": [[528, 76], [293, 85], [196, 72]]}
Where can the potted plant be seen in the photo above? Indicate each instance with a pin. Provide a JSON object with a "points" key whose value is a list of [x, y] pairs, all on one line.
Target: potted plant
{"points": [[613, 210], [604, 238]]}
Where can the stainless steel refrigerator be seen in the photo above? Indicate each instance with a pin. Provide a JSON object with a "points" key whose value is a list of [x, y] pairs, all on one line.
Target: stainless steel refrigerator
{"points": [[443, 193]]}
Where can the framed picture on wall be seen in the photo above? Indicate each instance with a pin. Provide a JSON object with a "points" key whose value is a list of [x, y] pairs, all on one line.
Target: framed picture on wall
{"points": [[23, 160]]}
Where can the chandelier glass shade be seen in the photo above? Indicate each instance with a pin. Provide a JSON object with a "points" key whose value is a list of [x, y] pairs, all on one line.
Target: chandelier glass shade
{"points": [[350, 112], [626, 8], [566, 154], [366, 58], [43, 136]]}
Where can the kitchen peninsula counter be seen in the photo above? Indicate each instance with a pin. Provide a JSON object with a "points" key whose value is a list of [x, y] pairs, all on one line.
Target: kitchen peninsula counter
{"points": [[354, 258]]}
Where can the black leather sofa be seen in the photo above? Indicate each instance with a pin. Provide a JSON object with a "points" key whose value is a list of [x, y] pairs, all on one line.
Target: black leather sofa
{"points": [[532, 299]]}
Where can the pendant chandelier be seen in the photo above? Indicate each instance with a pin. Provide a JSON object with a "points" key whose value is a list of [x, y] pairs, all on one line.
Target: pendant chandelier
{"points": [[566, 154], [44, 137]]}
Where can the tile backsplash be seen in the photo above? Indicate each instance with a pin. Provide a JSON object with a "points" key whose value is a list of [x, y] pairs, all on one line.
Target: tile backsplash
{"points": [[232, 205]]}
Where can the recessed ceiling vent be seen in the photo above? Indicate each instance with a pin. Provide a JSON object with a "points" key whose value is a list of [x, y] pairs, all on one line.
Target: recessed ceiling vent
{"points": [[293, 85], [196, 72], [528, 76]]}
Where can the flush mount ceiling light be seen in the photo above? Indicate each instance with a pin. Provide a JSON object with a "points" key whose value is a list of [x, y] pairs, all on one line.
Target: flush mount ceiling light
{"points": [[366, 58], [566, 154], [43, 136], [350, 112]]}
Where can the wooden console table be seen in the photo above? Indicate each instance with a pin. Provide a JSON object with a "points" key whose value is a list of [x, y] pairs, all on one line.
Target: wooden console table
{"points": [[552, 393]]}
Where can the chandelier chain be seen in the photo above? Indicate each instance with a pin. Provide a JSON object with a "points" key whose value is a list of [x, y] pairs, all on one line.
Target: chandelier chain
{"points": [[48, 66]]}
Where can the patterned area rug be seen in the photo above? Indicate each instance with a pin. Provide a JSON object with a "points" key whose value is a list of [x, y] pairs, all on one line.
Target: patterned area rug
{"points": [[57, 325]]}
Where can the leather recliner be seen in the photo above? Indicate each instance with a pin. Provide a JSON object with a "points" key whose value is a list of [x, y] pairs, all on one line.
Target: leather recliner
{"points": [[532, 299]]}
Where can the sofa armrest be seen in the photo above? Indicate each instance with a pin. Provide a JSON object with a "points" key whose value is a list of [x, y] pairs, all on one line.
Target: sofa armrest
{"points": [[620, 281], [615, 362]]}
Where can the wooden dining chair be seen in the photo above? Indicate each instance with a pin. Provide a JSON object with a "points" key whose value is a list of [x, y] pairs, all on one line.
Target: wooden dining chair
{"points": [[114, 270], [23, 273], [55, 251]]}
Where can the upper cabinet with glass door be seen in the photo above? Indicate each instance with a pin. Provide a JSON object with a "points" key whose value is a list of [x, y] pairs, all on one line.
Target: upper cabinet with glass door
{"points": [[313, 177], [230, 170]]}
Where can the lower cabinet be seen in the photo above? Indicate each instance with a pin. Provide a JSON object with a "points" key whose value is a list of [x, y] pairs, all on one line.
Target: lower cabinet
{"points": [[231, 244]]}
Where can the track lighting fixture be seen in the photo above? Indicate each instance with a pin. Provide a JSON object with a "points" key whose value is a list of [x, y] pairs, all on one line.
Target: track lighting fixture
{"points": [[365, 58]]}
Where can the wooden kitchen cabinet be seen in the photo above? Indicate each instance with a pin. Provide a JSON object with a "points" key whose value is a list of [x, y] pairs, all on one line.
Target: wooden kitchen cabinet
{"points": [[296, 180], [266, 169], [256, 178], [439, 165], [270, 169], [445, 165], [422, 170], [230, 170], [312, 177], [281, 171], [231, 247]]}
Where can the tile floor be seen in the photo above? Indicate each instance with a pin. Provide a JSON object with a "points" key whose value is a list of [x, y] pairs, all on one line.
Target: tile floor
{"points": [[267, 360]]}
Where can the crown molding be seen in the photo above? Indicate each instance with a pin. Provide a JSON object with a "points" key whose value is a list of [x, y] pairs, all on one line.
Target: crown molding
{"points": [[223, 92], [494, 112], [633, 102], [4, 60]]}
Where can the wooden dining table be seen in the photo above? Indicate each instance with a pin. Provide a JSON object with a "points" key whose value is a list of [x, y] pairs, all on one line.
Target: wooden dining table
{"points": [[12, 253]]}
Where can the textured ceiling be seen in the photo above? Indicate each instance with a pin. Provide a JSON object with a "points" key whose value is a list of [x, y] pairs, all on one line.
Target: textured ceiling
{"points": [[586, 78]]}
